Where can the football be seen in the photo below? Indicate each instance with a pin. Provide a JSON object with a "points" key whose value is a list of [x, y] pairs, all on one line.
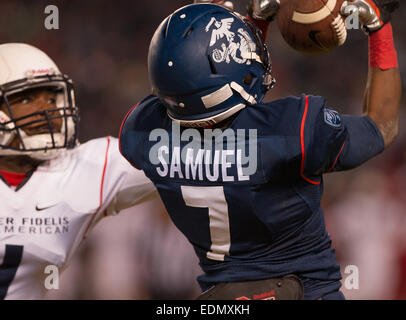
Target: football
{"points": [[312, 26]]}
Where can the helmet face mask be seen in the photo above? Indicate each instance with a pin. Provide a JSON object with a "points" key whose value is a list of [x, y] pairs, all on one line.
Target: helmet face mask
{"points": [[267, 80], [43, 133], [205, 62]]}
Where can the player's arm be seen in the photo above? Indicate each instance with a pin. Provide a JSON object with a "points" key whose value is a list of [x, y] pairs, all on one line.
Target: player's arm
{"points": [[382, 100], [130, 186], [135, 189], [333, 142], [356, 139], [383, 90]]}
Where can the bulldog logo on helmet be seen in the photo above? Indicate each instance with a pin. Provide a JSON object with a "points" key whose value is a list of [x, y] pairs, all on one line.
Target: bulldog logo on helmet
{"points": [[238, 51]]}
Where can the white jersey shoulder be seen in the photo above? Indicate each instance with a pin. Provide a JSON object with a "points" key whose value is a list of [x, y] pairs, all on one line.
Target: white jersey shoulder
{"points": [[43, 222]]}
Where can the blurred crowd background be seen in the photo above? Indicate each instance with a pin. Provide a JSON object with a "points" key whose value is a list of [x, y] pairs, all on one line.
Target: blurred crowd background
{"points": [[103, 46]]}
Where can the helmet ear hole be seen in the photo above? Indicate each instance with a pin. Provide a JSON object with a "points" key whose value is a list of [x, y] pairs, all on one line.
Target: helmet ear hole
{"points": [[248, 79]]}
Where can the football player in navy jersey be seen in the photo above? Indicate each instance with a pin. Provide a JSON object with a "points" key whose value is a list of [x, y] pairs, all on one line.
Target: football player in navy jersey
{"points": [[243, 179]]}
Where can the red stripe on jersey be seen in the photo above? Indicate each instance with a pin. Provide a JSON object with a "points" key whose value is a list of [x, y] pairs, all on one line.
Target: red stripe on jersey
{"points": [[303, 144], [101, 187], [104, 171], [335, 162], [121, 129]]}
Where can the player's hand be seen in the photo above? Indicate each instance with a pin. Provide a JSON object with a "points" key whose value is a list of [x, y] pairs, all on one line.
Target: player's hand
{"points": [[265, 10], [226, 4], [373, 14]]}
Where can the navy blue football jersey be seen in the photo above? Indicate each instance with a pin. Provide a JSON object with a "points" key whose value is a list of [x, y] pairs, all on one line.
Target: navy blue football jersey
{"points": [[248, 197]]}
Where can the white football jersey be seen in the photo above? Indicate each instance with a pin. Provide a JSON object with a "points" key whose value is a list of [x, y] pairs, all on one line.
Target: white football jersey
{"points": [[43, 222]]}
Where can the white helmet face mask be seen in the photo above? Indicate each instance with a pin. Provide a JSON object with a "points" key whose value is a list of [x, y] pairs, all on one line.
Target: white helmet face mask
{"points": [[23, 67]]}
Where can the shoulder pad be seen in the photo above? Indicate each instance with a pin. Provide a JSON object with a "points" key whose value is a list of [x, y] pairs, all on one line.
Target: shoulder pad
{"points": [[146, 116]]}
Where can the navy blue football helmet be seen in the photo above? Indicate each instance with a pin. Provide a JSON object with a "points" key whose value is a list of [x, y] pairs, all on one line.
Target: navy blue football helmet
{"points": [[206, 63]]}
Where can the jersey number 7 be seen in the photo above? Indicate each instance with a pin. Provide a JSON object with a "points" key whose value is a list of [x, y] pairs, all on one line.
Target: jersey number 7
{"points": [[214, 199]]}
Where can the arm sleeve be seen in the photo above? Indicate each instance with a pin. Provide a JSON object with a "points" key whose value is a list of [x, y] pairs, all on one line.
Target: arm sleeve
{"points": [[136, 189], [363, 142], [332, 142], [132, 186]]}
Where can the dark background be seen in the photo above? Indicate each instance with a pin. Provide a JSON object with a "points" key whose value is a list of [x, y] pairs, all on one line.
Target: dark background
{"points": [[103, 46]]}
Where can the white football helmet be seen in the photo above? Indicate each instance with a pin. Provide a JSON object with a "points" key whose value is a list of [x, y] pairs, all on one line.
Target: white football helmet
{"points": [[24, 67]]}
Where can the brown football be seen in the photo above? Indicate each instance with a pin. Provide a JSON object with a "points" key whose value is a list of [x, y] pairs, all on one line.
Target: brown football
{"points": [[312, 26]]}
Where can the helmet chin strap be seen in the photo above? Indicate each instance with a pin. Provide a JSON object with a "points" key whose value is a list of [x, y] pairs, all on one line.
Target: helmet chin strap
{"points": [[224, 115], [223, 94], [244, 94], [210, 120]]}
